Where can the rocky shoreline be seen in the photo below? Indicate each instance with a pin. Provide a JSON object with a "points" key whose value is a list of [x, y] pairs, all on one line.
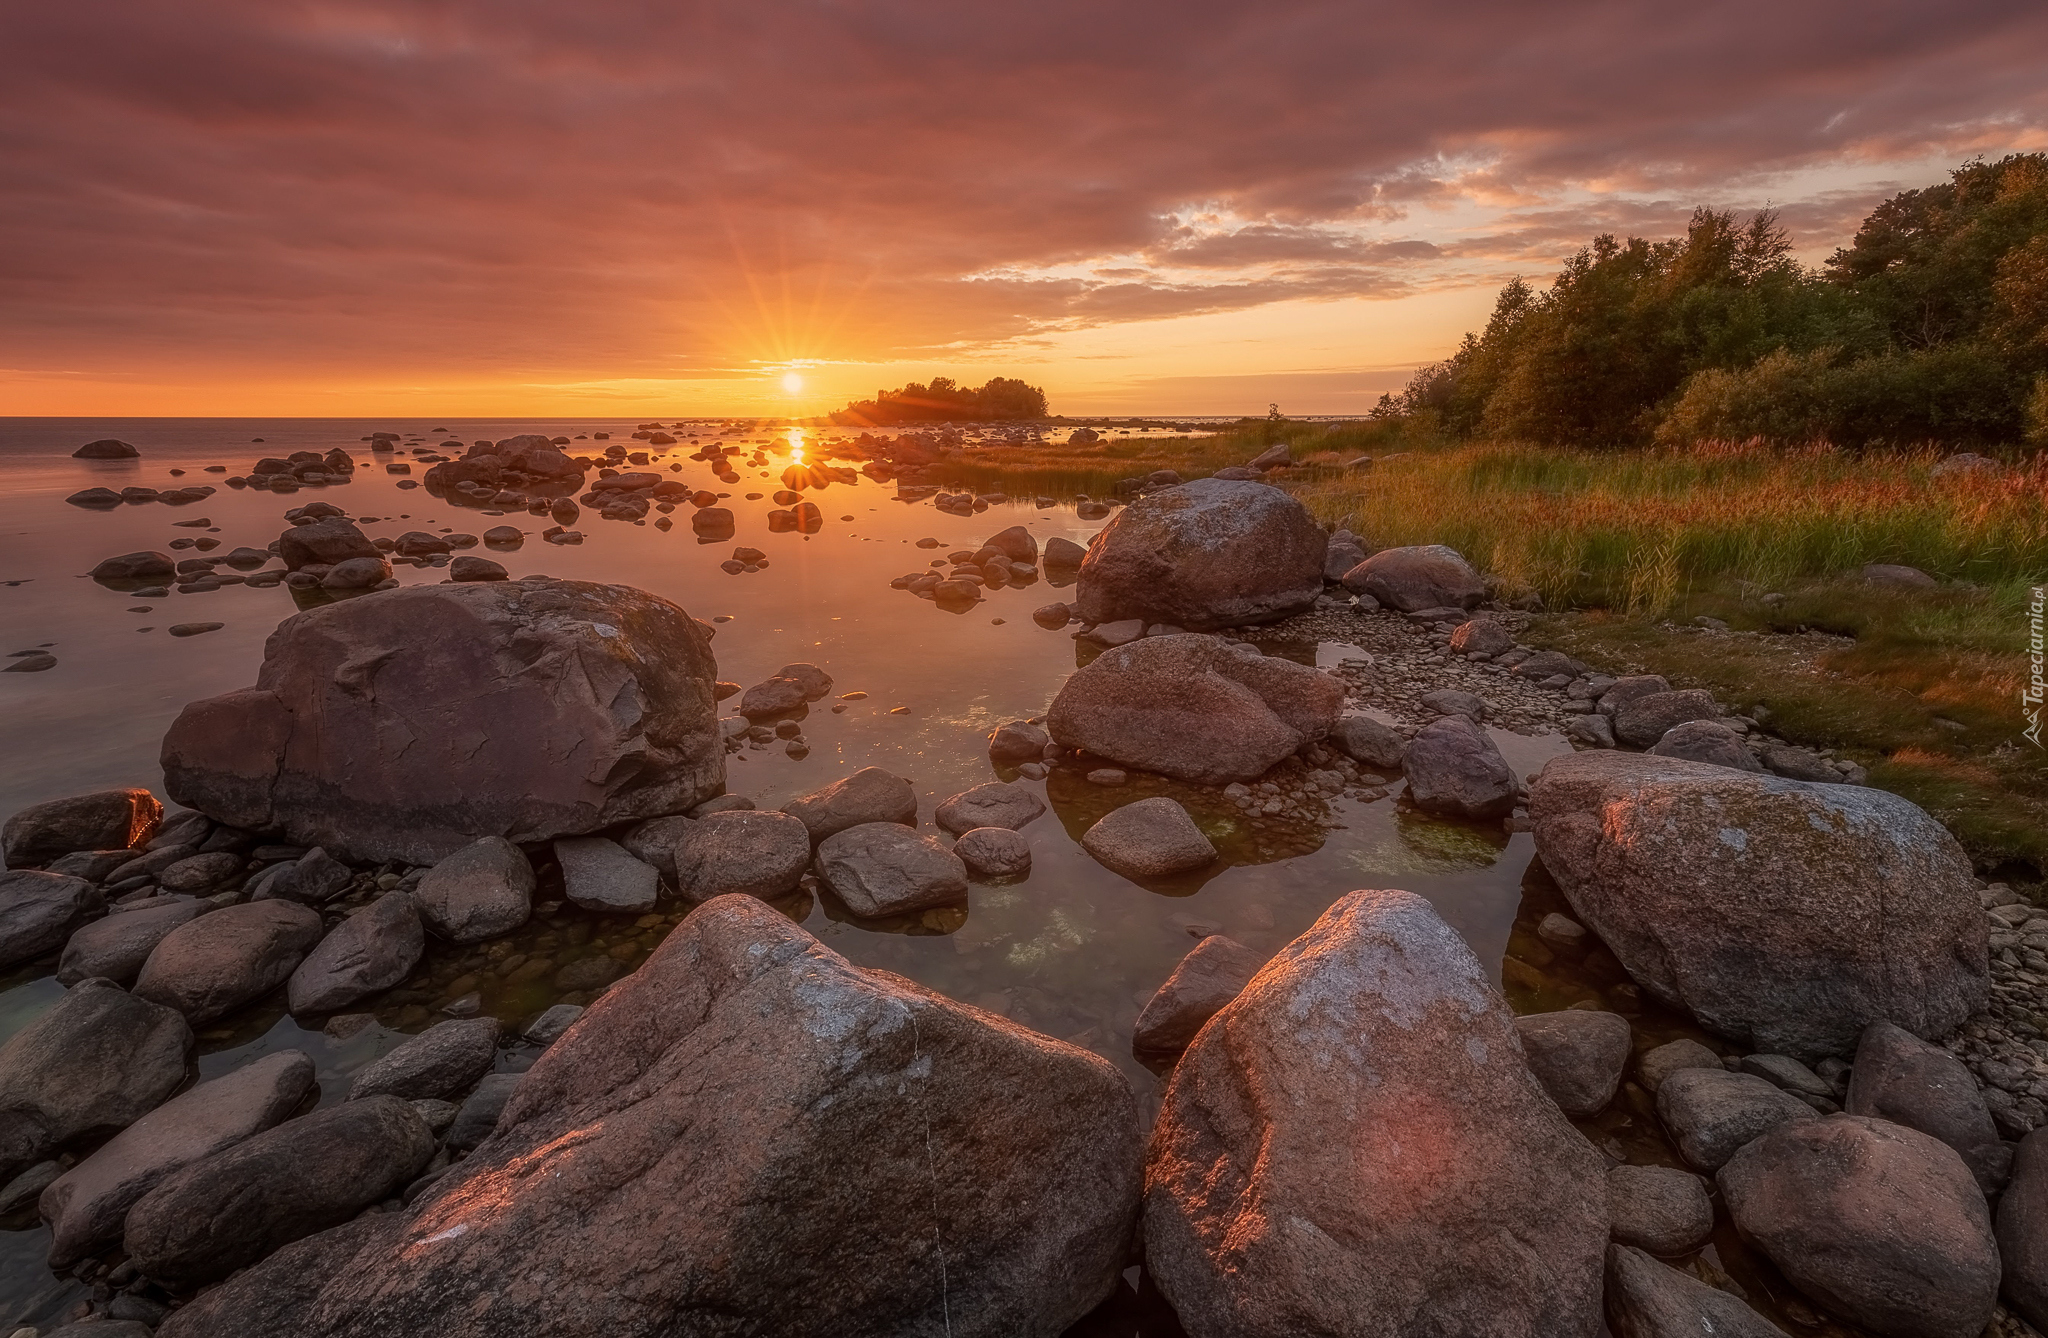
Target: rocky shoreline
{"points": [[724, 1126]]}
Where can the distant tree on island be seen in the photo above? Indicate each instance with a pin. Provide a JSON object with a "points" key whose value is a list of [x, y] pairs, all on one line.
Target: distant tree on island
{"points": [[1931, 325], [1000, 398]]}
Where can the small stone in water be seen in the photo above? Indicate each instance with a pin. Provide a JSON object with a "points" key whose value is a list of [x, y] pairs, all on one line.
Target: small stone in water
{"points": [[194, 629], [1107, 776]]}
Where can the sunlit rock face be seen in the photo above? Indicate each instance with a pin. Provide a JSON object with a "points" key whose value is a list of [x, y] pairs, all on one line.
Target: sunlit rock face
{"points": [[1193, 708], [1354, 1145], [1208, 554], [408, 723], [1784, 915], [747, 1136]]}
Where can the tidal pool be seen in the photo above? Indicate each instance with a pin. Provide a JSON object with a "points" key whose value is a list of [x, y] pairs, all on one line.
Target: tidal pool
{"points": [[1071, 950]]}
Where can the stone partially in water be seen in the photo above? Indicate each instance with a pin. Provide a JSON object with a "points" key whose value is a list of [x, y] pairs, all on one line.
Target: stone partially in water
{"points": [[103, 820], [116, 947], [1454, 767], [412, 690], [133, 569], [868, 795], [1151, 838], [1202, 983], [993, 852], [1206, 554], [992, 804], [600, 876], [1189, 707], [481, 891], [97, 1061], [441, 1063], [86, 1206], [236, 955], [751, 1134], [369, 952], [1577, 1055], [757, 854], [881, 868], [39, 911], [1783, 915], [107, 448], [1355, 1142]]}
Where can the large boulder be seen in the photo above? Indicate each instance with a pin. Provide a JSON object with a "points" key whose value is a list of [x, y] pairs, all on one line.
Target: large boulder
{"points": [[1430, 576], [747, 1135], [1212, 553], [2022, 1230], [481, 891], [39, 911], [236, 955], [1784, 915], [1901, 1078], [90, 1066], [1879, 1223], [86, 1206], [103, 820], [285, 1183], [1193, 708], [116, 947], [1454, 767], [372, 950], [405, 724], [1355, 1143]]}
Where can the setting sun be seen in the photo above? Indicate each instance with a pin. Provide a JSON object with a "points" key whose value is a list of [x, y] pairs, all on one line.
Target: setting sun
{"points": [[792, 383]]}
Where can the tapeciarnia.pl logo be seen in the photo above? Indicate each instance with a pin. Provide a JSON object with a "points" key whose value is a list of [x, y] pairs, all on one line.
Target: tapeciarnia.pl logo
{"points": [[2030, 699]]}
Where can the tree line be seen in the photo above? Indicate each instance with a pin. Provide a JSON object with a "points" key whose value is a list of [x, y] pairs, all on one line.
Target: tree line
{"points": [[998, 399], [1930, 326]]}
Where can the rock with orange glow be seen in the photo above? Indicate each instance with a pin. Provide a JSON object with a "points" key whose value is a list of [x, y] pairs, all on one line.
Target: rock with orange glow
{"points": [[1355, 1146], [748, 1135], [1212, 553], [1193, 708], [406, 724]]}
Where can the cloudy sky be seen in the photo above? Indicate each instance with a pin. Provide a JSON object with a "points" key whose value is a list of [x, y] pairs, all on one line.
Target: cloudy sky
{"points": [[628, 208]]}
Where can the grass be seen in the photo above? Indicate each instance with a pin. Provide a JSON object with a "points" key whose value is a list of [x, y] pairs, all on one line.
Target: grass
{"points": [[1626, 548]]}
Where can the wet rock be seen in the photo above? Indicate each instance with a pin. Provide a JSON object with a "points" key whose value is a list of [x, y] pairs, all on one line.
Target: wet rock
{"points": [[1644, 721], [1369, 743], [771, 698], [285, 1183], [868, 795], [103, 820], [993, 852], [327, 542], [1481, 636], [144, 568], [1060, 551], [1712, 1113], [1706, 741], [226, 958], [1455, 767], [600, 876], [93, 1064], [478, 1117], [504, 536], [95, 497], [784, 1070], [1659, 1208], [809, 678], [1152, 838], [2022, 1230], [116, 947], [1370, 1058], [1577, 1055], [546, 1029], [881, 868], [1647, 1299], [371, 951], [39, 911], [1207, 554], [1052, 617], [1879, 1223], [357, 573], [441, 1063], [481, 891], [1017, 544], [1782, 915], [86, 1206], [469, 568], [754, 853], [993, 804], [1659, 1063], [107, 448], [1901, 1078], [412, 759], [1426, 577], [1018, 741], [1190, 707], [1210, 976]]}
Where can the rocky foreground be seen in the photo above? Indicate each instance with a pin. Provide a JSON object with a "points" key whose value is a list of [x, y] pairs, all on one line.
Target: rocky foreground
{"points": [[749, 1135]]}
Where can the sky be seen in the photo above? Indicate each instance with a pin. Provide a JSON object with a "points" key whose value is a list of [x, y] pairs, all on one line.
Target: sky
{"points": [[595, 207]]}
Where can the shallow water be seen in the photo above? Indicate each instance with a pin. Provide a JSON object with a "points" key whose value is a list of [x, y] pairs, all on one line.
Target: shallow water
{"points": [[1071, 950]]}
